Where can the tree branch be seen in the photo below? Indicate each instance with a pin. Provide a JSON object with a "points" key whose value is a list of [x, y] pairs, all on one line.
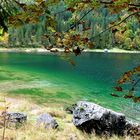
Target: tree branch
{"points": [[72, 26], [135, 84], [115, 24], [111, 3], [135, 5]]}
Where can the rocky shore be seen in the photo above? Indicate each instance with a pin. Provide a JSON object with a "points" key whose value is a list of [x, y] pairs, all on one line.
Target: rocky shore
{"points": [[56, 50]]}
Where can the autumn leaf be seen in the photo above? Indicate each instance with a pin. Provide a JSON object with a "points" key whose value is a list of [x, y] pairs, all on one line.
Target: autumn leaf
{"points": [[76, 37], [136, 69], [22, 5], [128, 96], [115, 95], [118, 88], [87, 28], [85, 40], [77, 51], [136, 99], [125, 77], [67, 50], [132, 9], [71, 9], [72, 62]]}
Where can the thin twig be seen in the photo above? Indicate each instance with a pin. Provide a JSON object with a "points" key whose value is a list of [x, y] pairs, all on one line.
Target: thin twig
{"points": [[4, 121], [72, 26]]}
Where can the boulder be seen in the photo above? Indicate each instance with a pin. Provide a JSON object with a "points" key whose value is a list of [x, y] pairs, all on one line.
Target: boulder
{"points": [[90, 117], [17, 117], [13, 120], [47, 121]]}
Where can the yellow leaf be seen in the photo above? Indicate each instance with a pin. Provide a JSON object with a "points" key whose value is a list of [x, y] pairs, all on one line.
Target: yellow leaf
{"points": [[51, 29], [2, 108]]}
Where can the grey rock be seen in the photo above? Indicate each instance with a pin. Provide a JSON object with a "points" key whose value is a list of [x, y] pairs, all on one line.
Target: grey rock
{"points": [[47, 120], [91, 117], [17, 117], [13, 120]]}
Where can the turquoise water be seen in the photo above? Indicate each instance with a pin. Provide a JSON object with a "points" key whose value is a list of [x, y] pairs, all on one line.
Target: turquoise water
{"points": [[46, 78]]}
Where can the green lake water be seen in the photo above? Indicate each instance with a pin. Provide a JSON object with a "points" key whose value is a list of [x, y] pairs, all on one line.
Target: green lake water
{"points": [[48, 79]]}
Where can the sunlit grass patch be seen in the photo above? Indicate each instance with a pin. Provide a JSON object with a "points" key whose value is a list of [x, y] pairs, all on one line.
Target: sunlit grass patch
{"points": [[69, 132]]}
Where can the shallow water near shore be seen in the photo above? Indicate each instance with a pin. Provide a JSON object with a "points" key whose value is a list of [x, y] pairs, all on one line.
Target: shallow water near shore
{"points": [[48, 79]]}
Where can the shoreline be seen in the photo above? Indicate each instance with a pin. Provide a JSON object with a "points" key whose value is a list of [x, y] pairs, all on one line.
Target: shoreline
{"points": [[43, 50]]}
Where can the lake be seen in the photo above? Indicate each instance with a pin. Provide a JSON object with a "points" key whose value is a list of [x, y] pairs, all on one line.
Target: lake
{"points": [[50, 79]]}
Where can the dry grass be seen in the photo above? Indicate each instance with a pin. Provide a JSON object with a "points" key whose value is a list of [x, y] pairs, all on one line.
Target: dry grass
{"points": [[69, 132], [29, 131]]}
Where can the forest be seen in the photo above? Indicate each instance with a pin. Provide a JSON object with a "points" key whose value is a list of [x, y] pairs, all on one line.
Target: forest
{"points": [[69, 70], [80, 20]]}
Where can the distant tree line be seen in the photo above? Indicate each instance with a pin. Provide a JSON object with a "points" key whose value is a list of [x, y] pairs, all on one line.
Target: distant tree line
{"points": [[125, 36]]}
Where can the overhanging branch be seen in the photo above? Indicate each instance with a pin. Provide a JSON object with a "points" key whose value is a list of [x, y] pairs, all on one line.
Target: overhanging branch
{"points": [[115, 24], [112, 3]]}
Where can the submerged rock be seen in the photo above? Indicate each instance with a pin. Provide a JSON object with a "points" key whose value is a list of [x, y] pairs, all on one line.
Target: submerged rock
{"points": [[47, 121], [91, 117]]}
